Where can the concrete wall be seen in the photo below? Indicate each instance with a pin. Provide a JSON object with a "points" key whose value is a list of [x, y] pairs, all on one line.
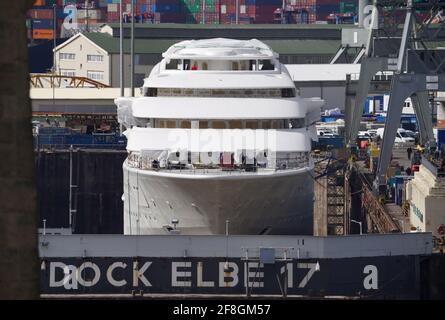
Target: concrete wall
{"points": [[436, 214], [82, 47], [143, 65], [304, 247], [333, 93], [427, 201]]}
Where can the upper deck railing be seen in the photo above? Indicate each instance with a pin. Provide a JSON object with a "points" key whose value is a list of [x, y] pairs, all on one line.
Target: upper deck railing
{"points": [[218, 162]]}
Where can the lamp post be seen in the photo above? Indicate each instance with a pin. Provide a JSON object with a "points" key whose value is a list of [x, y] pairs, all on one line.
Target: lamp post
{"points": [[359, 223], [121, 50], [132, 49]]}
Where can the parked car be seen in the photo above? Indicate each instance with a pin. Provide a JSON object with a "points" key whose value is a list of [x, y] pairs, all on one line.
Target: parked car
{"points": [[402, 137]]}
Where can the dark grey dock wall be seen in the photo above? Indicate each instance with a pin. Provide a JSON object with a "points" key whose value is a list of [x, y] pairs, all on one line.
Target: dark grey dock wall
{"points": [[97, 198]]}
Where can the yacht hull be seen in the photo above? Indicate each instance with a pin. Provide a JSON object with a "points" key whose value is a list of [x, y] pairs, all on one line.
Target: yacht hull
{"points": [[254, 203]]}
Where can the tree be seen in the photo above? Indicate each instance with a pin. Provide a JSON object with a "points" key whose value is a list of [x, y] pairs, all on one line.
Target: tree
{"points": [[19, 264]]}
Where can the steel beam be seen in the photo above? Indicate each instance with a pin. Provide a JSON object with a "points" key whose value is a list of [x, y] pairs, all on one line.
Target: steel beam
{"points": [[337, 56], [423, 113], [350, 93], [359, 56], [403, 86], [369, 67], [407, 29]]}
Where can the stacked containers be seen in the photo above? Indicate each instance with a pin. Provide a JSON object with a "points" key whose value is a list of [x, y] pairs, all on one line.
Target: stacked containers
{"points": [[264, 10], [169, 11], [246, 11], [41, 23], [300, 11], [326, 7], [41, 17], [93, 15], [145, 11], [201, 11], [348, 6], [113, 11]]}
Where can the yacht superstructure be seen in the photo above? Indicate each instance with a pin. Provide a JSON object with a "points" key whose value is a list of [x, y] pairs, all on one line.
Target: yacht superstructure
{"points": [[220, 134]]}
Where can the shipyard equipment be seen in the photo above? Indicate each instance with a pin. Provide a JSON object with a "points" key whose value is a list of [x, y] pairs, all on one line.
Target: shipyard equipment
{"points": [[417, 68]]}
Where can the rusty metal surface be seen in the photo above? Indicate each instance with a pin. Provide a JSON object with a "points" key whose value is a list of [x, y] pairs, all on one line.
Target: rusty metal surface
{"points": [[379, 217], [55, 81]]}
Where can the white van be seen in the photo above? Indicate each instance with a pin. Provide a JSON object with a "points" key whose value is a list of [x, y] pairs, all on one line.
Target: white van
{"points": [[401, 136], [322, 132]]}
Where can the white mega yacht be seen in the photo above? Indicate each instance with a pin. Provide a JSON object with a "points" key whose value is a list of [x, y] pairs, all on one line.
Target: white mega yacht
{"points": [[219, 139]]}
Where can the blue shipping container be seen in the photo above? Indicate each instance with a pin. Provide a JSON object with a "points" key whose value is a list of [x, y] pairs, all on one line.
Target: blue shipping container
{"points": [[60, 14], [43, 24], [441, 137], [368, 105]]}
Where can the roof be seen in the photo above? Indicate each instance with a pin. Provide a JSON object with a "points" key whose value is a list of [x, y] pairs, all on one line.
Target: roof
{"points": [[245, 32], [220, 48], [304, 46], [321, 72], [158, 46], [111, 44], [230, 26]]}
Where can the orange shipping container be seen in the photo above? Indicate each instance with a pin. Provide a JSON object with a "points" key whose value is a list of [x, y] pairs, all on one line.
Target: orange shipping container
{"points": [[84, 21], [43, 34], [41, 14]]}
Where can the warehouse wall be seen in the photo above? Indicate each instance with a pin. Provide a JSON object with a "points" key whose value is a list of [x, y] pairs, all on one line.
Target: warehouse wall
{"points": [[143, 65], [333, 93]]}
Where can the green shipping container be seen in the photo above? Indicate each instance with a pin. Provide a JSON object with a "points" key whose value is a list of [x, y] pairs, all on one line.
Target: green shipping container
{"points": [[348, 7]]}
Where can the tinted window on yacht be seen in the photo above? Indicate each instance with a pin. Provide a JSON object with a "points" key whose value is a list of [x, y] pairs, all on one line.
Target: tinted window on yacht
{"points": [[186, 64], [297, 123], [252, 65], [151, 92], [288, 93], [172, 65], [266, 65], [238, 93]]}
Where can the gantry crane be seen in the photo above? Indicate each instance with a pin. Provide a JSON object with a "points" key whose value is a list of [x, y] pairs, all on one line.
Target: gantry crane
{"points": [[408, 50]]}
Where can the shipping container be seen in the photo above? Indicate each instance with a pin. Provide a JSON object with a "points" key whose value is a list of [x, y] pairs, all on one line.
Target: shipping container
{"points": [[96, 14], [42, 34], [42, 24], [40, 13]]}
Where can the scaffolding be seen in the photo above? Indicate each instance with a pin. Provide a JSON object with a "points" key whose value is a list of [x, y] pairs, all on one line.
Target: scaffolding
{"points": [[331, 189]]}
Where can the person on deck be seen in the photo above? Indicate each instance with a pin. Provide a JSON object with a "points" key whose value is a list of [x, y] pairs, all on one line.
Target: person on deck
{"points": [[409, 151]]}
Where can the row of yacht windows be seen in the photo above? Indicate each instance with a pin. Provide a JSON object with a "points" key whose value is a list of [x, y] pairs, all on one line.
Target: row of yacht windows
{"points": [[230, 124], [220, 65], [247, 160], [233, 93]]}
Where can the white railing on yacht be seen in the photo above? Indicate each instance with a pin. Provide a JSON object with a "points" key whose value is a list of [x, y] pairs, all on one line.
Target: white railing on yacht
{"points": [[217, 162]]}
